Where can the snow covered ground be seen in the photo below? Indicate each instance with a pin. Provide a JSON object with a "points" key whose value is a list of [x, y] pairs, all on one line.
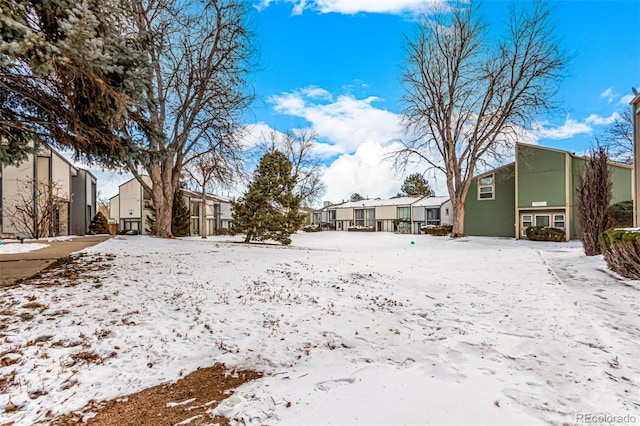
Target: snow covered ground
{"points": [[350, 328], [13, 247]]}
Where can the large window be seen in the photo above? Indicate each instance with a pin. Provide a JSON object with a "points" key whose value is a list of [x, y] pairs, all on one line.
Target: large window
{"points": [[404, 213], [359, 217], [364, 217], [433, 216], [558, 221], [486, 187]]}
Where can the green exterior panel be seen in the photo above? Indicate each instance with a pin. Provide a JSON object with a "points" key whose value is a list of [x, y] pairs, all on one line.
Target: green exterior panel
{"points": [[492, 218], [541, 176]]}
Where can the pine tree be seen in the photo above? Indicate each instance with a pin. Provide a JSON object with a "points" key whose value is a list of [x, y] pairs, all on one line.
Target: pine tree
{"points": [[99, 224], [269, 208], [181, 218], [416, 184]]}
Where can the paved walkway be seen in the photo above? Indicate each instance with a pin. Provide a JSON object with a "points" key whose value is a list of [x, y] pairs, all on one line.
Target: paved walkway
{"points": [[23, 265]]}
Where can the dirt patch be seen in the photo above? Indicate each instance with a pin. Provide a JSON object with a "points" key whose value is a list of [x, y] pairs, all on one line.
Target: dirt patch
{"points": [[189, 400]]}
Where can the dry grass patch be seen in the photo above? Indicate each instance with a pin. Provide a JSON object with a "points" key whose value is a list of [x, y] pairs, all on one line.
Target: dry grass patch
{"points": [[191, 397]]}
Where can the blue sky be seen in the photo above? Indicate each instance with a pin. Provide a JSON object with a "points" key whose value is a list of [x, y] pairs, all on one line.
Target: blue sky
{"points": [[335, 66]]}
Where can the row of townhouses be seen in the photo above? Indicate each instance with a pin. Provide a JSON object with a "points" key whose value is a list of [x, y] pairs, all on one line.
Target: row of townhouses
{"points": [[132, 206], [72, 195], [538, 188]]}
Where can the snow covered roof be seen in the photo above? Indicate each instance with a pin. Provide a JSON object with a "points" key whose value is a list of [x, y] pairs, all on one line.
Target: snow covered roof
{"points": [[431, 201], [378, 202]]}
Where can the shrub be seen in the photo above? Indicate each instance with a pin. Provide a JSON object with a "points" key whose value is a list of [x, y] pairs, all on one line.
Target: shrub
{"points": [[311, 228], [361, 229], [223, 231], [437, 230], [621, 250], [99, 224], [620, 214], [542, 233]]}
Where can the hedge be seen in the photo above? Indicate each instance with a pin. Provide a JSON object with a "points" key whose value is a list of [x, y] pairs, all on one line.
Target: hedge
{"points": [[438, 230], [543, 233], [621, 251]]}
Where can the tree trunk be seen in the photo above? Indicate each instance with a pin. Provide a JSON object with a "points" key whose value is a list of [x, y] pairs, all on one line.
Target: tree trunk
{"points": [[163, 193], [203, 214], [458, 217]]}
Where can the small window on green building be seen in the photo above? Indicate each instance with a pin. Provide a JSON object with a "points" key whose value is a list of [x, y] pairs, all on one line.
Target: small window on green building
{"points": [[486, 187]]}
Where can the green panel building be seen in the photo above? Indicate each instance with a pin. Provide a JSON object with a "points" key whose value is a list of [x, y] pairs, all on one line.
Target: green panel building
{"points": [[489, 204], [539, 189]]}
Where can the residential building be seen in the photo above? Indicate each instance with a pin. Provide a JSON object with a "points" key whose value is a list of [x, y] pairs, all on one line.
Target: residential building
{"points": [[539, 189], [83, 201], [381, 215], [635, 104], [73, 190], [133, 205], [431, 211]]}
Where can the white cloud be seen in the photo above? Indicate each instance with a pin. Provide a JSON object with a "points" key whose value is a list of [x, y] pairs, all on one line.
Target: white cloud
{"points": [[601, 121], [567, 130], [346, 122], [350, 7], [608, 95]]}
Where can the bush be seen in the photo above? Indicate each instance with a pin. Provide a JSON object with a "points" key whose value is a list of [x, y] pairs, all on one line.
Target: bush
{"points": [[542, 233], [437, 230], [311, 228], [361, 229], [128, 232], [620, 214], [99, 224], [621, 250], [223, 231]]}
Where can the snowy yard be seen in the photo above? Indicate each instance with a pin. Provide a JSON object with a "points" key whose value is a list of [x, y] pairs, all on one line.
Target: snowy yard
{"points": [[350, 328]]}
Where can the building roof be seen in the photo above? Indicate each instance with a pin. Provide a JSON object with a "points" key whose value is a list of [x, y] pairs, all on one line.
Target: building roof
{"points": [[431, 201], [378, 202]]}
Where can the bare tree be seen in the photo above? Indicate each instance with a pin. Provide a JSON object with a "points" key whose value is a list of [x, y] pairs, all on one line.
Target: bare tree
{"points": [[619, 138], [594, 196], [209, 169], [298, 145], [36, 210], [466, 99], [200, 53]]}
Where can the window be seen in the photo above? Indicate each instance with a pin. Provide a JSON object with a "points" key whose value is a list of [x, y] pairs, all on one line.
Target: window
{"points": [[404, 213], [526, 222], [542, 220], [433, 216], [486, 187], [148, 204], [558, 221], [370, 217], [359, 217]]}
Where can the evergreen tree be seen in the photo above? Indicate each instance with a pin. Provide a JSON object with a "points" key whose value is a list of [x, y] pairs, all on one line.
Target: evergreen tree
{"points": [[416, 184], [99, 224], [269, 208], [150, 222], [71, 74], [181, 217], [356, 197]]}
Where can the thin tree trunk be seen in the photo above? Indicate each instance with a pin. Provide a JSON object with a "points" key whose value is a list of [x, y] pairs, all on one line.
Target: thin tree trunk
{"points": [[203, 214]]}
